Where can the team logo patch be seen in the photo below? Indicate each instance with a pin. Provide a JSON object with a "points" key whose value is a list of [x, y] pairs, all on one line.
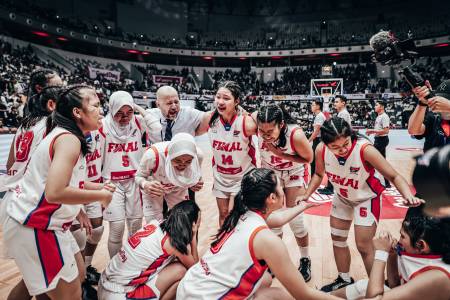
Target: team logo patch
{"points": [[354, 170], [236, 133]]}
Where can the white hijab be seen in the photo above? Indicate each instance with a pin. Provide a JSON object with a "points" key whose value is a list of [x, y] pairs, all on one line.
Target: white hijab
{"points": [[116, 101], [183, 143]]}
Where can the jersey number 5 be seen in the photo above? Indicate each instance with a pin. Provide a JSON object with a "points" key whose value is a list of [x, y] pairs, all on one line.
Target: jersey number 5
{"points": [[125, 161]]}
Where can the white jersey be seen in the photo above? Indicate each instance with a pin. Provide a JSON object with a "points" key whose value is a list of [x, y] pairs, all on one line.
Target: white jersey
{"points": [[229, 270], [274, 162], [25, 143], [352, 179], [94, 158], [233, 153], [140, 259], [121, 159], [412, 265], [27, 204]]}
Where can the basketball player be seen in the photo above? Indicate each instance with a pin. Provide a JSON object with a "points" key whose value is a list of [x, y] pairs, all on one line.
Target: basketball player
{"points": [[166, 171], [145, 268], [418, 266], [235, 265], [285, 149], [230, 135], [122, 135], [48, 198], [350, 164]]}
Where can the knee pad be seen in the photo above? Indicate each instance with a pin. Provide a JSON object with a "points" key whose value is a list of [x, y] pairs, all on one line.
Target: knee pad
{"points": [[133, 225], [116, 229], [277, 230], [96, 235], [80, 237], [357, 290], [298, 226], [340, 244], [339, 232]]}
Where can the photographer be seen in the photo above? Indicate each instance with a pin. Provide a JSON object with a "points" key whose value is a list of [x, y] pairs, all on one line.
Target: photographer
{"points": [[430, 119]]}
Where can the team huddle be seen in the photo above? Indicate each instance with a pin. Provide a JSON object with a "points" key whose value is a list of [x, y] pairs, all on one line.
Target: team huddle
{"points": [[70, 169]]}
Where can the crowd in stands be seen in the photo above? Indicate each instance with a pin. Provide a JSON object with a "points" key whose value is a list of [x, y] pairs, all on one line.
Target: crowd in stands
{"points": [[343, 32], [17, 63]]}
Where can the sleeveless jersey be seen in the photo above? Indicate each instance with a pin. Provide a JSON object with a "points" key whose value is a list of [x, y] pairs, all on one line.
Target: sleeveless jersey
{"points": [[121, 159], [27, 204], [94, 158], [228, 270], [25, 143], [274, 162], [233, 153], [352, 179], [141, 258], [412, 265]]}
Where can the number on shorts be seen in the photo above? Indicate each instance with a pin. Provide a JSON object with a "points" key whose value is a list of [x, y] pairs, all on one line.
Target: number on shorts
{"points": [[222, 241], [343, 193], [227, 159], [363, 212], [135, 239], [92, 171], [125, 161]]}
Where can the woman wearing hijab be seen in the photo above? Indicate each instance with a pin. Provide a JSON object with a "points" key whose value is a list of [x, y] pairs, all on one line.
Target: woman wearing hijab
{"points": [[122, 150], [166, 172]]}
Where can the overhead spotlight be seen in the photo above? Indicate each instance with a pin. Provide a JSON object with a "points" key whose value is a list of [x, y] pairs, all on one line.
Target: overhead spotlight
{"points": [[109, 27], [142, 36], [12, 16], [95, 27], [29, 22], [58, 30], [57, 16], [134, 44]]}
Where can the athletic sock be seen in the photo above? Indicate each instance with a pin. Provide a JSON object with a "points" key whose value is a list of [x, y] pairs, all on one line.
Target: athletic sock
{"points": [[304, 251], [345, 276]]}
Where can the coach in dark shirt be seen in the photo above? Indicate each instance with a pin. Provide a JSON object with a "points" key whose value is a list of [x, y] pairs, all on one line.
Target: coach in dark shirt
{"points": [[431, 118]]}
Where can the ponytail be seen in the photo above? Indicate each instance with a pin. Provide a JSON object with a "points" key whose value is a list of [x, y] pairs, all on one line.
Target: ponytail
{"points": [[256, 186]]}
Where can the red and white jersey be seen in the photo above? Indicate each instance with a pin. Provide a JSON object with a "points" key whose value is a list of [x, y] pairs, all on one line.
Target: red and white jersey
{"points": [[94, 158], [27, 204], [141, 258], [25, 143], [412, 265], [121, 159], [230, 269], [274, 162], [352, 179], [233, 153]]}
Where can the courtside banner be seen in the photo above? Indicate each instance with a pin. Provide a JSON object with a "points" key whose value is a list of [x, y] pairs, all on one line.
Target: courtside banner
{"points": [[108, 74], [162, 79]]}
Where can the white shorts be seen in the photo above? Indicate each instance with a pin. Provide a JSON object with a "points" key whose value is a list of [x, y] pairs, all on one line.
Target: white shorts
{"points": [[363, 213], [42, 256], [153, 207], [108, 290], [222, 194], [126, 202], [298, 177], [93, 210]]}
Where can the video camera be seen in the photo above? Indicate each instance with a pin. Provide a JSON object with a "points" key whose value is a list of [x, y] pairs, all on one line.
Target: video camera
{"points": [[388, 50]]}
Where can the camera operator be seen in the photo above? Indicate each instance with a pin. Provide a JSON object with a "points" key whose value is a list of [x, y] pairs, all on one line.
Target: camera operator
{"points": [[430, 119]]}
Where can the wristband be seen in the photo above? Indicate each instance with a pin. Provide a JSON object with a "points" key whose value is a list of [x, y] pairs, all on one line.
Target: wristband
{"points": [[422, 104], [381, 255]]}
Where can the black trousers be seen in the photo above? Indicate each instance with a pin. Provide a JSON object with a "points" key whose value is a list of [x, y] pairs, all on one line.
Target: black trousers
{"points": [[381, 142]]}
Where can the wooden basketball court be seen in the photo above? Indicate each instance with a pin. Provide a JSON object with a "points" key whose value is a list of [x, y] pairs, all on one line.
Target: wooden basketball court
{"points": [[323, 266]]}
